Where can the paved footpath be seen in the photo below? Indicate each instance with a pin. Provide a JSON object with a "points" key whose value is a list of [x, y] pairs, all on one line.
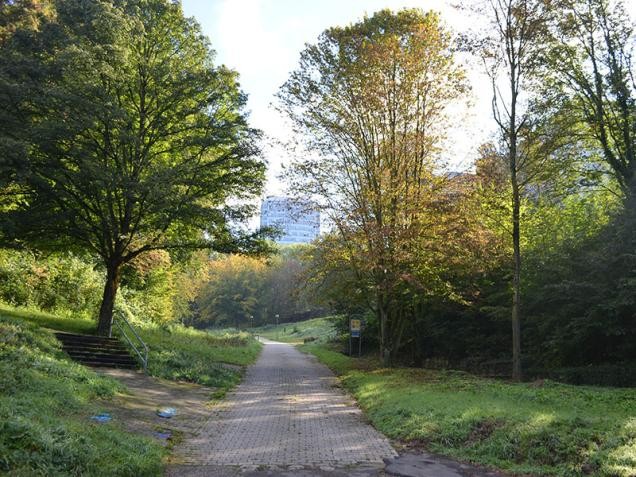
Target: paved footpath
{"points": [[286, 418]]}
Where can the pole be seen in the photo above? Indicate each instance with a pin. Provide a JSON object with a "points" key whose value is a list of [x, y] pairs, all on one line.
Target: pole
{"points": [[277, 315]]}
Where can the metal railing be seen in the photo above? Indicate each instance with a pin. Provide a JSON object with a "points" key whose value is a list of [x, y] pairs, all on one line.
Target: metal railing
{"points": [[119, 317]]}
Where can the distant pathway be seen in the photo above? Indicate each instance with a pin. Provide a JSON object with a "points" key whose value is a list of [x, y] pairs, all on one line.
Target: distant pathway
{"points": [[286, 416]]}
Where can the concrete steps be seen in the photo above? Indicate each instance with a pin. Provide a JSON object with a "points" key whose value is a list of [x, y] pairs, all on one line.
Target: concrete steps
{"points": [[97, 351]]}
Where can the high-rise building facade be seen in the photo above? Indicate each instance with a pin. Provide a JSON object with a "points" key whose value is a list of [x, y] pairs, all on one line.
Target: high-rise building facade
{"points": [[297, 221]]}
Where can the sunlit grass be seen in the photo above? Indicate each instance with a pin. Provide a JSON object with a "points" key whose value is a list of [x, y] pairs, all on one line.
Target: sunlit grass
{"points": [[48, 320], [542, 428], [316, 329], [176, 352], [181, 353]]}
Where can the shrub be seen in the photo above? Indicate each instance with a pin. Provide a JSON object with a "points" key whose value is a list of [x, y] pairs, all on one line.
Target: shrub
{"points": [[615, 375], [62, 283]]}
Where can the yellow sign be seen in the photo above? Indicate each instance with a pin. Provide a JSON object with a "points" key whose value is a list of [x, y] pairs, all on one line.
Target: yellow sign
{"points": [[356, 325]]}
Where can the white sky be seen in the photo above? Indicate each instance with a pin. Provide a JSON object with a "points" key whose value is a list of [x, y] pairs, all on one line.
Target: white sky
{"points": [[262, 40]]}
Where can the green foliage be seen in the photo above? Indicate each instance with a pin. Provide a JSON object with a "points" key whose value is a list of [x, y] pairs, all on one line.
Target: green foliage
{"points": [[243, 291], [59, 283], [157, 143], [616, 375], [233, 292], [371, 101], [588, 75], [22, 14], [150, 287], [45, 405], [542, 428]]}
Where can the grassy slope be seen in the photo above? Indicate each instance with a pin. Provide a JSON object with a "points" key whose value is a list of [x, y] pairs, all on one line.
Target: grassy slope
{"points": [[197, 356], [47, 320], [539, 429], [176, 352], [46, 400], [45, 406], [319, 328]]}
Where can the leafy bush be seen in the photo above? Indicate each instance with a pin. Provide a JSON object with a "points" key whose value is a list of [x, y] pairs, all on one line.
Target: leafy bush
{"points": [[45, 404], [616, 375], [62, 283]]}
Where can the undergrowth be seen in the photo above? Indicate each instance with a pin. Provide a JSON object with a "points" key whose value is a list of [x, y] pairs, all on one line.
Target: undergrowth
{"points": [[202, 357]]}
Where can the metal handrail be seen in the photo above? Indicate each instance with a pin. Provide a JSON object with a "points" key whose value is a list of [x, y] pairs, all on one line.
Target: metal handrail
{"points": [[143, 358]]}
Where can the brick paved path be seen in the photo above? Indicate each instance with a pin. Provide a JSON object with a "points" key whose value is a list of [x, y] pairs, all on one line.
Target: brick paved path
{"points": [[286, 414]]}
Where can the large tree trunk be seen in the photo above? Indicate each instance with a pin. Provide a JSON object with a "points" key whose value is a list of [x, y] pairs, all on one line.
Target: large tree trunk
{"points": [[108, 300]]}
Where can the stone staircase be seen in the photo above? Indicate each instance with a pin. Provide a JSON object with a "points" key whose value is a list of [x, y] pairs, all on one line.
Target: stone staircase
{"points": [[98, 351]]}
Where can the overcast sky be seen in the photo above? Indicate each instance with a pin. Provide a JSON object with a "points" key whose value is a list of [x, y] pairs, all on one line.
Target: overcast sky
{"points": [[262, 40]]}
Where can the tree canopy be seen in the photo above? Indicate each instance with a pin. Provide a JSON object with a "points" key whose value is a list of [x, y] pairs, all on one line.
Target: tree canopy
{"points": [[121, 136]]}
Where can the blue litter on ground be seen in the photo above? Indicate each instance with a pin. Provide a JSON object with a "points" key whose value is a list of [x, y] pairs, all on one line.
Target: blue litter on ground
{"points": [[103, 417], [166, 412], [163, 434]]}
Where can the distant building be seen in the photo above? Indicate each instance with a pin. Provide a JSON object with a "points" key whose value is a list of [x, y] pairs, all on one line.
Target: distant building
{"points": [[298, 222]]}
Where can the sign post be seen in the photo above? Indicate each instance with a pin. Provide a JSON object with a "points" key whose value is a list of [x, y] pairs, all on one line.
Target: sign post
{"points": [[355, 331]]}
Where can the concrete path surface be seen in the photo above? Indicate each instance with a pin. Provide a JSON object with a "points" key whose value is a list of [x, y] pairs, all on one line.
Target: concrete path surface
{"points": [[286, 416]]}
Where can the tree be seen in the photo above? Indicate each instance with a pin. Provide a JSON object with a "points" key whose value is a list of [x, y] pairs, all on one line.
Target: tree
{"points": [[509, 54], [22, 14], [370, 100], [591, 49], [239, 287], [233, 291], [122, 136]]}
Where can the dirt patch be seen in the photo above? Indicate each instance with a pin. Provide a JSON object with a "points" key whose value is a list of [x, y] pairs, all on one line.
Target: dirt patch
{"points": [[137, 409], [482, 430]]}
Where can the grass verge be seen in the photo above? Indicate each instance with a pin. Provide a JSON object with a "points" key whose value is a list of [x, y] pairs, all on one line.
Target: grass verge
{"points": [[542, 428], [317, 329], [45, 406]]}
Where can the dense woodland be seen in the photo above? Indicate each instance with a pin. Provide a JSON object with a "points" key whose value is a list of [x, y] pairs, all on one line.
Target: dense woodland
{"points": [[540, 233]]}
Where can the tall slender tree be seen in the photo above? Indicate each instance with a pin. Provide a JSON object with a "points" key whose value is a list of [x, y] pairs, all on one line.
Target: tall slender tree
{"points": [[122, 136], [509, 54]]}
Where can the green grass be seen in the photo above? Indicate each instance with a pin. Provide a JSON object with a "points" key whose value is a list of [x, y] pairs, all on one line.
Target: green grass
{"points": [[45, 406], [47, 320], [176, 352], [181, 353], [542, 428], [321, 329]]}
